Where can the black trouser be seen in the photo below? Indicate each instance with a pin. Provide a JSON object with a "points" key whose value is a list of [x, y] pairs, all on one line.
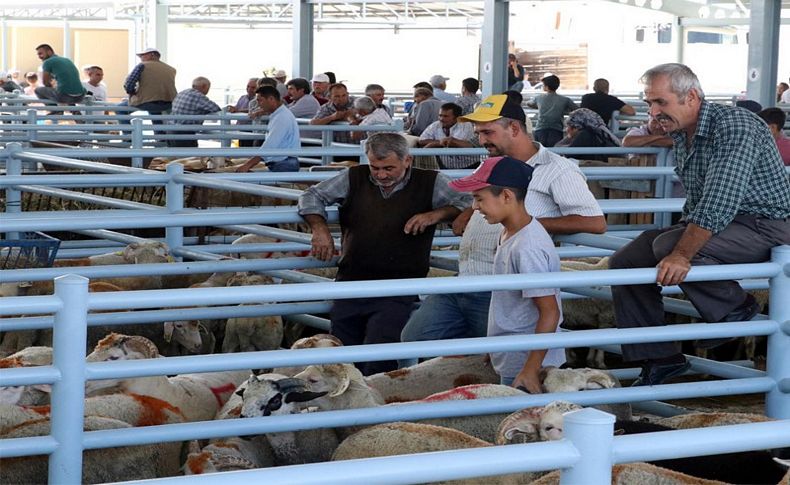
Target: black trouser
{"points": [[182, 143], [371, 321], [747, 239], [548, 137]]}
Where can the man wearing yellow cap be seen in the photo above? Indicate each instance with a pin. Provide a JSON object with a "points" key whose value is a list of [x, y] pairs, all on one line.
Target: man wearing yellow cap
{"points": [[558, 197]]}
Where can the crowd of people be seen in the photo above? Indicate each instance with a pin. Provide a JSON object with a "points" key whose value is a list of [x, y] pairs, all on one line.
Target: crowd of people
{"points": [[729, 162]]}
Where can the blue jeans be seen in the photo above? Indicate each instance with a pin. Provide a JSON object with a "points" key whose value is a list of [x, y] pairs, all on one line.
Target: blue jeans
{"points": [[448, 316], [290, 164]]}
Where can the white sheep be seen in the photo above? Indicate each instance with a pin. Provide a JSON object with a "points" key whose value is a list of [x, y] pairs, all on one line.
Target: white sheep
{"points": [[409, 438], [705, 420], [228, 454], [31, 395], [638, 473], [99, 466], [197, 396], [249, 334], [573, 380], [12, 415], [432, 376], [541, 423]]}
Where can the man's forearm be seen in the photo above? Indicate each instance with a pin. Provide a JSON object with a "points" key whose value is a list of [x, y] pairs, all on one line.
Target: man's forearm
{"points": [[446, 213], [572, 224], [316, 222], [647, 141], [692, 240]]}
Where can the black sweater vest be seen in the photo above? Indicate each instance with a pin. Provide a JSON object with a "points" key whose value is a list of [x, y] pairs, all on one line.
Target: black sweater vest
{"points": [[374, 244]]}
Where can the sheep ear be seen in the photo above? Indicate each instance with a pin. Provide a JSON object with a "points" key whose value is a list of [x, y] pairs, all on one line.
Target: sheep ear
{"points": [[303, 396], [528, 429], [344, 383], [169, 329], [598, 382], [240, 392]]}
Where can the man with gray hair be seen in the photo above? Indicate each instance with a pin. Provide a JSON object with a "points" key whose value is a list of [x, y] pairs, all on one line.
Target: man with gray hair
{"points": [[367, 113], [388, 215], [376, 93], [192, 101], [737, 209]]}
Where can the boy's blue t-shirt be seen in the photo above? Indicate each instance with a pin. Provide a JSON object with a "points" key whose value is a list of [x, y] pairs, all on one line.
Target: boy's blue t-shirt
{"points": [[512, 312]]}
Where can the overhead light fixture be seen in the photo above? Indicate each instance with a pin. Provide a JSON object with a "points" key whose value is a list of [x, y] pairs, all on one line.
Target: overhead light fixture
{"points": [[656, 4]]}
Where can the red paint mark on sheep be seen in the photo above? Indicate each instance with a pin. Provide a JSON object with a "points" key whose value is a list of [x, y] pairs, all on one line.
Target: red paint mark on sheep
{"points": [[153, 410], [221, 391], [197, 463], [465, 392]]}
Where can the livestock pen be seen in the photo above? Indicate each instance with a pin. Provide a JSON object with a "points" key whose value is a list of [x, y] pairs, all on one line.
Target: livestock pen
{"points": [[587, 453]]}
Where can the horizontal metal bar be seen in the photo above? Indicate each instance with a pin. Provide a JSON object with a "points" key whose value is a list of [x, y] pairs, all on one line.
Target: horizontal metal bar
{"points": [[411, 286], [34, 305], [163, 269], [89, 198], [264, 191], [16, 447], [155, 316], [19, 376], [700, 442]]}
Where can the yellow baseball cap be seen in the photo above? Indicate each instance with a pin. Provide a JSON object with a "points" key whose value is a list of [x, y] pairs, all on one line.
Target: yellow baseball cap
{"points": [[494, 107]]}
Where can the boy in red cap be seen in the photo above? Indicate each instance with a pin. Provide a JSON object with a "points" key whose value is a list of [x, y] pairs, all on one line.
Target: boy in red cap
{"points": [[499, 187]]}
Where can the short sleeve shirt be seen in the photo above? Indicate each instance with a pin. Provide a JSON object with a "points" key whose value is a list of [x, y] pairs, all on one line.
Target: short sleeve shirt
{"points": [[512, 312], [66, 73], [603, 104]]}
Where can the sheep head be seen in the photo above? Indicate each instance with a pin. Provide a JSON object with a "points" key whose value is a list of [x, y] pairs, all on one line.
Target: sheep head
{"points": [[266, 397], [146, 252], [28, 357], [117, 346], [249, 279], [571, 380], [186, 333], [318, 340], [333, 379], [535, 424]]}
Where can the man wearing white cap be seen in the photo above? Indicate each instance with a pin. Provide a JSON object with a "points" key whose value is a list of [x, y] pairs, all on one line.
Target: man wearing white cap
{"points": [[439, 86], [152, 84], [320, 86], [280, 76]]}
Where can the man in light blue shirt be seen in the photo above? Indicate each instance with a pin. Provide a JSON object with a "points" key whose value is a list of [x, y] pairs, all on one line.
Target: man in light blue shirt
{"points": [[283, 133]]}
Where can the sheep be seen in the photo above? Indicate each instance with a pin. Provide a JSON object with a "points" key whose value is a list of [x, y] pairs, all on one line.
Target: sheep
{"points": [[198, 396], [481, 427], [249, 334], [432, 376], [272, 397], [572, 380], [705, 420], [407, 438], [12, 415], [33, 395], [534, 424], [229, 454], [99, 466], [641, 473]]}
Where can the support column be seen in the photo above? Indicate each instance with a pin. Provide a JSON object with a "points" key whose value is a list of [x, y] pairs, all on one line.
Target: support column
{"points": [[70, 330], [160, 28], [174, 235], [679, 33], [4, 57], [493, 55], [302, 39], [777, 401], [591, 432], [67, 50], [763, 62]]}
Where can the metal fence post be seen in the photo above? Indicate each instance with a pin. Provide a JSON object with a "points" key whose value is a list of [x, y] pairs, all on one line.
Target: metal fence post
{"points": [[68, 393], [777, 401], [326, 142], [592, 432], [174, 235], [224, 121], [32, 119], [137, 140], [13, 166]]}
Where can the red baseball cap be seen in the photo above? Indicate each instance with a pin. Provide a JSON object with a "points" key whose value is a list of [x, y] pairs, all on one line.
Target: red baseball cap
{"points": [[502, 171]]}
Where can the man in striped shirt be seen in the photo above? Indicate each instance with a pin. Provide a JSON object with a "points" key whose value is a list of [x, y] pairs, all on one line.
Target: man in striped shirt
{"points": [[737, 209], [558, 197]]}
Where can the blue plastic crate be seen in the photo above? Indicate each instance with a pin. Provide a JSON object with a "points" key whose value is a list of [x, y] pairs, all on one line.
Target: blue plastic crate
{"points": [[35, 250]]}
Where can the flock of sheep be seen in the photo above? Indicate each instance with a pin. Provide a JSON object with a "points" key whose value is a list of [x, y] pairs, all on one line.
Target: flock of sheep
{"points": [[147, 401]]}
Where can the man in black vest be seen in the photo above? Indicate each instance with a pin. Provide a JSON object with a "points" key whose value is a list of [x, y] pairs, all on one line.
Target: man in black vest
{"points": [[388, 214]]}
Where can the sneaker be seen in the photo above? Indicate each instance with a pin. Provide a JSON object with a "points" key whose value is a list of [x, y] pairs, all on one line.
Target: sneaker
{"points": [[654, 374], [743, 313]]}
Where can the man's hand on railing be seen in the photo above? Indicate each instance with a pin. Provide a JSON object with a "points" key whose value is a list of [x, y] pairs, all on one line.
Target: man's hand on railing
{"points": [[323, 246]]}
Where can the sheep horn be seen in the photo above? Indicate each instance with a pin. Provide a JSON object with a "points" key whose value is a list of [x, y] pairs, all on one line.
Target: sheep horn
{"points": [[298, 396], [291, 384]]}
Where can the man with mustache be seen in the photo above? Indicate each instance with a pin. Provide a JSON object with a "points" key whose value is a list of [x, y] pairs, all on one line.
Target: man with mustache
{"points": [[388, 214], [737, 208], [558, 197]]}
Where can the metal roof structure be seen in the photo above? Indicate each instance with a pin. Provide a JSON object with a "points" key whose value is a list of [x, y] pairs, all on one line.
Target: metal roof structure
{"points": [[398, 14]]}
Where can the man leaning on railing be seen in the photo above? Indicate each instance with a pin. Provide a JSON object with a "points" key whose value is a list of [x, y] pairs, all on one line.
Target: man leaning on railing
{"points": [[737, 208]]}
